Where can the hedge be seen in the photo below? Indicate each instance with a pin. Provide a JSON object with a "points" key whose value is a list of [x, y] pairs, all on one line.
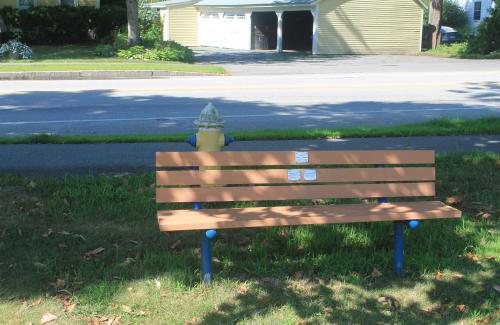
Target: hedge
{"points": [[62, 24]]}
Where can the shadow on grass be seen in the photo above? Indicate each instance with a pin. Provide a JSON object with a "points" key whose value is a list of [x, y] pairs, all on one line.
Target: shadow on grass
{"points": [[49, 228]]}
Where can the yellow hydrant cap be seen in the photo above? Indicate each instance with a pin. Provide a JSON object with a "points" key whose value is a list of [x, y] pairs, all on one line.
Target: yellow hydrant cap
{"points": [[209, 118]]}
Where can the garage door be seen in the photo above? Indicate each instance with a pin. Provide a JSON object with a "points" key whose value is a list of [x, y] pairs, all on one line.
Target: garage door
{"points": [[226, 30]]}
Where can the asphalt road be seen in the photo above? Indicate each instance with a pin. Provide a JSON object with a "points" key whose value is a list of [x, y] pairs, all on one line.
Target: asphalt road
{"points": [[62, 159], [388, 95]]}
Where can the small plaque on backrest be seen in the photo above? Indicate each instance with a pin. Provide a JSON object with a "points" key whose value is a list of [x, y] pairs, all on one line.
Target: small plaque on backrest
{"points": [[301, 157], [294, 174], [310, 174]]}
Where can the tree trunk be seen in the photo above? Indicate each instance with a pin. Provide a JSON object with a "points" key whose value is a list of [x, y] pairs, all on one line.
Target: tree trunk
{"points": [[3, 28], [133, 22], [435, 7]]}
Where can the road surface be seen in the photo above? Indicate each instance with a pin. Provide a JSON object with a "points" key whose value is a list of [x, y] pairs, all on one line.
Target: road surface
{"points": [[248, 102]]}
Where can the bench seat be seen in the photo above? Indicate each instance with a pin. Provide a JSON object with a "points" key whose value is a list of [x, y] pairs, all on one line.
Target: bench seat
{"points": [[177, 220]]}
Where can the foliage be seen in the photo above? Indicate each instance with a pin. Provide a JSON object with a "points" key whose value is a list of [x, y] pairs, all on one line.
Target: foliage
{"points": [[453, 15], [63, 24], [162, 51], [487, 40], [105, 50], [133, 53], [16, 49], [151, 27], [119, 40]]}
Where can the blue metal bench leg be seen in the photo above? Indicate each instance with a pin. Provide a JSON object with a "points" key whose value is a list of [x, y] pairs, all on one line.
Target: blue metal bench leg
{"points": [[206, 258], [399, 238]]}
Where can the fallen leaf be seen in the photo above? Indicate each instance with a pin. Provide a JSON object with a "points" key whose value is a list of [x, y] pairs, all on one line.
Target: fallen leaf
{"points": [[283, 233], [39, 301], [496, 288], [243, 290], [298, 274], [471, 256], [128, 261], [194, 321], [461, 308], [389, 301], [48, 317], [453, 200], [215, 260], [491, 258], [427, 310], [24, 305], [140, 313], [117, 321], [438, 275], [93, 253], [69, 308], [486, 320], [163, 293], [157, 284], [126, 309], [457, 275], [130, 289], [176, 244], [48, 233], [376, 273], [32, 184]]}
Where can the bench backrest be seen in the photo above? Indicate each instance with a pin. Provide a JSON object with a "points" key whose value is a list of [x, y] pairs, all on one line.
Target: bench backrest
{"points": [[291, 175]]}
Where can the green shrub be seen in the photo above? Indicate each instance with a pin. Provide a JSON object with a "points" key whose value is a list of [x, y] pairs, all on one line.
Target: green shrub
{"points": [[487, 40], [119, 40], [133, 53], [57, 25], [105, 50]]}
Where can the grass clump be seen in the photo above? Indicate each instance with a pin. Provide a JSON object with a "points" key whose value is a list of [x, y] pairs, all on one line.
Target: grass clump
{"points": [[440, 127], [50, 230], [460, 50]]}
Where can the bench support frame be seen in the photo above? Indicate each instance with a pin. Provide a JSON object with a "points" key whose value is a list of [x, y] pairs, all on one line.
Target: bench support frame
{"points": [[399, 237], [206, 252]]}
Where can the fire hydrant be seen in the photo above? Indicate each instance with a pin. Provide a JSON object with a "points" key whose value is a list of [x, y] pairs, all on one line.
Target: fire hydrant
{"points": [[209, 138]]}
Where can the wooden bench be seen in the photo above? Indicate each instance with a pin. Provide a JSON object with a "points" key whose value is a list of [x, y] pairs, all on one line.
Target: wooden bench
{"points": [[288, 175]]}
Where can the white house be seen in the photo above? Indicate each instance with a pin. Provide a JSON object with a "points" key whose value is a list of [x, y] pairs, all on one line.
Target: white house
{"points": [[477, 10]]}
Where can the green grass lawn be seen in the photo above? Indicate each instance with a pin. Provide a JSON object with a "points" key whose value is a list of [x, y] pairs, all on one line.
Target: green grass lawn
{"points": [[82, 58], [459, 50], [289, 275], [489, 125]]}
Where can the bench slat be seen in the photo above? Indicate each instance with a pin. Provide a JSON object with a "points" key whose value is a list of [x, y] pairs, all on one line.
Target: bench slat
{"points": [[175, 220], [292, 192], [270, 176], [277, 158]]}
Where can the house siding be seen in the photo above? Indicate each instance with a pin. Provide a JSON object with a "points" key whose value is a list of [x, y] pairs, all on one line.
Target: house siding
{"points": [[369, 26], [8, 3], [183, 25], [13, 3]]}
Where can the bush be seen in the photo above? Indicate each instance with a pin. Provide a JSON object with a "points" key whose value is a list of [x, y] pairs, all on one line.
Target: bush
{"points": [[133, 53], [62, 24], [120, 40], [487, 40], [163, 51], [16, 50], [105, 51]]}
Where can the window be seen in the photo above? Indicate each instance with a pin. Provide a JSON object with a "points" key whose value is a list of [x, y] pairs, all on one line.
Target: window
{"points": [[69, 3], [477, 10], [26, 3]]}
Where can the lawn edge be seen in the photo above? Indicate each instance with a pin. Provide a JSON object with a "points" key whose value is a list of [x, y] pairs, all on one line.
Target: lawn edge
{"points": [[439, 127]]}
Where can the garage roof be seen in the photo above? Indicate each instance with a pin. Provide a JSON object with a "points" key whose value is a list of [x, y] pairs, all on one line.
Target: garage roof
{"points": [[250, 3], [230, 3]]}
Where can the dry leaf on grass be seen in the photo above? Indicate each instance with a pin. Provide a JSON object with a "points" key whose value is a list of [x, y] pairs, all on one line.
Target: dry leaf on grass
{"points": [[48, 233], [90, 255], [457, 276], [461, 308], [176, 244], [471, 256], [194, 321], [48, 317], [128, 261], [243, 290], [389, 301], [438, 275], [453, 200], [486, 320], [376, 273], [496, 288], [126, 309], [157, 284]]}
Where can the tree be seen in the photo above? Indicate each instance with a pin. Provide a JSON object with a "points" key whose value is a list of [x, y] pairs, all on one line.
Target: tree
{"points": [[435, 7], [133, 23], [3, 28]]}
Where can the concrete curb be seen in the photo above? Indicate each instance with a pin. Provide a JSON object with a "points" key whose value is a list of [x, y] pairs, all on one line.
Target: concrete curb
{"points": [[98, 75]]}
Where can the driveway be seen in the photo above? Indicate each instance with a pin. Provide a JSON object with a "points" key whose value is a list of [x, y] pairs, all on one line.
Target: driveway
{"points": [[241, 62]]}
